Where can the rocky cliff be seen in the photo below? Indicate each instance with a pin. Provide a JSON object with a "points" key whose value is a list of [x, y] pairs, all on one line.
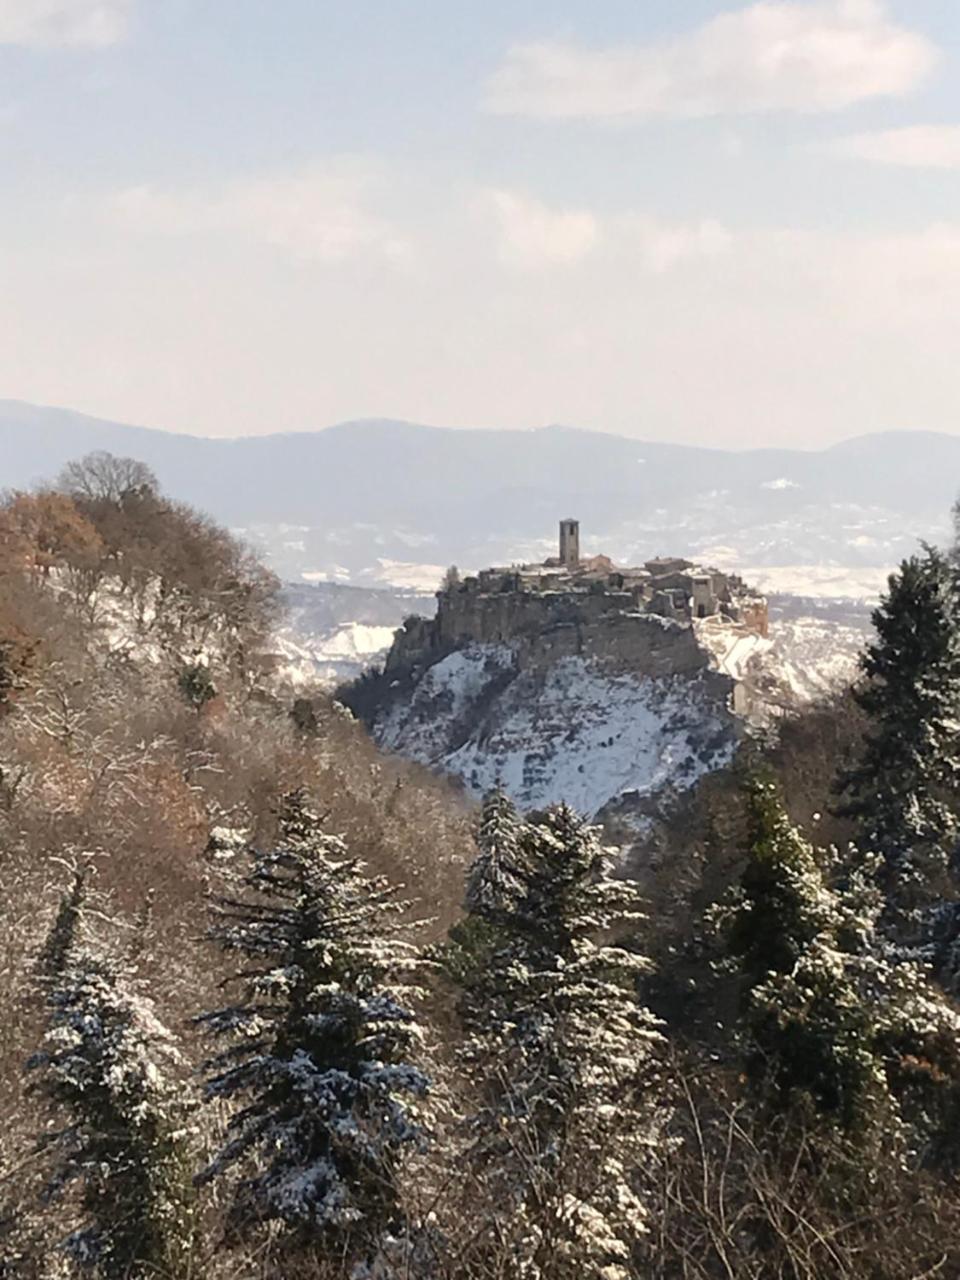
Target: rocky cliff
{"points": [[567, 729], [570, 696]]}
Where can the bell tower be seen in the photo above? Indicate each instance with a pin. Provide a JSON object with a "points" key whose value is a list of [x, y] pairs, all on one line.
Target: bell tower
{"points": [[570, 543]]}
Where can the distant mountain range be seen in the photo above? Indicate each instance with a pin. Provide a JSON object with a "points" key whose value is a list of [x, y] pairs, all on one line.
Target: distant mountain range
{"points": [[381, 501]]}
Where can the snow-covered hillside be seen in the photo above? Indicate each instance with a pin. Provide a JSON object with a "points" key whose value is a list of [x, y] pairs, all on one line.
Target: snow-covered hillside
{"points": [[332, 633], [812, 650], [570, 731], [589, 715]]}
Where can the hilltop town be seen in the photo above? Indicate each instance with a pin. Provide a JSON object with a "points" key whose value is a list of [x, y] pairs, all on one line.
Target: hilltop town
{"points": [[668, 586], [572, 603]]}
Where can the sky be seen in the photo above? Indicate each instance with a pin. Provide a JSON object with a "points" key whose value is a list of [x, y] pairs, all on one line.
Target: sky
{"points": [[684, 220]]}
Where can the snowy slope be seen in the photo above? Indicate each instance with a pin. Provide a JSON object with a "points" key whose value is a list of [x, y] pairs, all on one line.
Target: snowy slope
{"points": [[568, 732], [605, 735], [340, 654], [803, 659]]}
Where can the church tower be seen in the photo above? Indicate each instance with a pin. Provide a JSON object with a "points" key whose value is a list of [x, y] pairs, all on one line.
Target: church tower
{"points": [[570, 543]]}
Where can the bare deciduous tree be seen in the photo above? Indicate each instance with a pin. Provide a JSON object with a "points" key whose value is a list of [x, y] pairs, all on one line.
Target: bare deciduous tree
{"points": [[103, 477]]}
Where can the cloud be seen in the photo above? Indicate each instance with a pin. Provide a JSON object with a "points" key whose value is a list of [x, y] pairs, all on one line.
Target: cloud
{"points": [[47, 23], [929, 146], [664, 245], [532, 235], [313, 216], [768, 57]]}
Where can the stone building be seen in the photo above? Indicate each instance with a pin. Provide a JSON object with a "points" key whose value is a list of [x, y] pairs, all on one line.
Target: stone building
{"points": [[570, 543], [668, 587]]}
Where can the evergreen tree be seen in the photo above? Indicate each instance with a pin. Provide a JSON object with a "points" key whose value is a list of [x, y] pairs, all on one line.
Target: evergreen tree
{"points": [[903, 791], [495, 882], [829, 1011], [62, 936], [782, 904], [317, 1064], [804, 1028], [196, 684], [106, 1068], [568, 1054], [494, 886]]}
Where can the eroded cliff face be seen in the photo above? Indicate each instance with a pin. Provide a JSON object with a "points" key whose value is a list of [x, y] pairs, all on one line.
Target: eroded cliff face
{"points": [[547, 627], [572, 697], [572, 729]]}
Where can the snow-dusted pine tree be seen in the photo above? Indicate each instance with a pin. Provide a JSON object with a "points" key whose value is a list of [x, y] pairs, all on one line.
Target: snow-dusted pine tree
{"points": [[782, 904], [317, 1063], [61, 938], [568, 1057], [495, 882], [904, 790], [106, 1067]]}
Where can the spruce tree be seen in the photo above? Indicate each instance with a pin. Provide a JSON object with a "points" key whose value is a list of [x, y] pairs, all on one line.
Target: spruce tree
{"points": [[804, 1027], [106, 1067], [494, 886], [62, 935], [782, 902], [568, 1056], [903, 792], [317, 1065], [830, 1013], [495, 882]]}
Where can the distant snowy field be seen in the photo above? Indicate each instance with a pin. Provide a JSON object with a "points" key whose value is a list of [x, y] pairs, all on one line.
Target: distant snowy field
{"points": [[330, 657], [828, 582]]}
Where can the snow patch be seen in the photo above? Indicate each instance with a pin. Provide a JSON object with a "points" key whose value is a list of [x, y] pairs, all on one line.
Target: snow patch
{"points": [[398, 573], [733, 649]]}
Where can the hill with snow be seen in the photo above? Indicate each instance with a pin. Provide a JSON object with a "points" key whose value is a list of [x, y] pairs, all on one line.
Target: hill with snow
{"points": [[581, 697], [565, 731]]}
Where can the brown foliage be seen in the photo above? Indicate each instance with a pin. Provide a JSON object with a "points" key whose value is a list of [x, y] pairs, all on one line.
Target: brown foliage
{"points": [[46, 530], [106, 594]]}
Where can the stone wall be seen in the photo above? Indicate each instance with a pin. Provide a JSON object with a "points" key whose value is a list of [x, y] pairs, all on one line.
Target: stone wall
{"points": [[544, 627]]}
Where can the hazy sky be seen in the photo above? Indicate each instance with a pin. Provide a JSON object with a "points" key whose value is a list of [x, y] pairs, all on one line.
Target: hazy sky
{"points": [[678, 219]]}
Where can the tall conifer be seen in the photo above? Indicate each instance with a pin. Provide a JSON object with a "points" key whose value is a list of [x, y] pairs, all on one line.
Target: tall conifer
{"points": [[568, 1055], [317, 1065], [107, 1071], [904, 790], [830, 1012]]}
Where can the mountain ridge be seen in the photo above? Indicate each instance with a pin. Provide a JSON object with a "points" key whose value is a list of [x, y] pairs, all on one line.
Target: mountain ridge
{"points": [[11, 406], [351, 500]]}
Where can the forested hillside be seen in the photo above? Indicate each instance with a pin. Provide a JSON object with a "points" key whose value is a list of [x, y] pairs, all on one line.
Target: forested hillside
{"points": [[277, 1005]]}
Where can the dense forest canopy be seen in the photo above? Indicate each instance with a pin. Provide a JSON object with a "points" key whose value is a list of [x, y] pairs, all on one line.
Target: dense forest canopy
{"points": [[276, 1005]]}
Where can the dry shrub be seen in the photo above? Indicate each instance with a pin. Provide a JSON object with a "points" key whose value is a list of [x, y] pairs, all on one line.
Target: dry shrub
{"points": [[753, 1195]]}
